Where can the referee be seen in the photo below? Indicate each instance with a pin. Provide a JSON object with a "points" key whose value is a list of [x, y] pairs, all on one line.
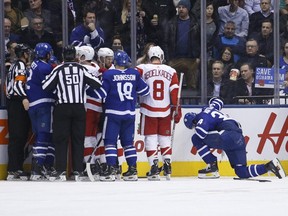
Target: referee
{"points": [[70, 80], [18, 118]]}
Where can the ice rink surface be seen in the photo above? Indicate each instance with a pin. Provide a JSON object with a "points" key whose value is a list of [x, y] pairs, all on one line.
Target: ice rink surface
{"points": [[180, 196]]}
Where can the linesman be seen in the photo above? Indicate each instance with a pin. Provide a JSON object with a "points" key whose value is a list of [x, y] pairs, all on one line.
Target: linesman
{"points": [[18, 118], [70, 81]]}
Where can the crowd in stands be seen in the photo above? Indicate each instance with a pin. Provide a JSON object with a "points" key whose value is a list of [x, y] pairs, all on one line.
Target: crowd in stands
{"points": [[244, 28]]}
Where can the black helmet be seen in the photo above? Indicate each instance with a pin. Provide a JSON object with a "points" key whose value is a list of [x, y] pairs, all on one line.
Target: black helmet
{"points": [[69, 53], [20, 49]]}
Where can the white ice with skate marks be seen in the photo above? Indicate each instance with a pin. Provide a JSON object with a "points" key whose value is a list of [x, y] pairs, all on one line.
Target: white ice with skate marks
{"points": [[179, 196]]}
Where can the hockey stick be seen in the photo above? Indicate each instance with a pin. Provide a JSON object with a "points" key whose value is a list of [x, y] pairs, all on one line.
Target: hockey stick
{"points": [[168, 176], [88, 163], [27, 150], [177, 106]]}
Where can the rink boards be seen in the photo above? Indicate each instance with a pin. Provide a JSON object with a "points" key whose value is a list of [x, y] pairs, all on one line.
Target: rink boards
{"points": [[265, 131]]}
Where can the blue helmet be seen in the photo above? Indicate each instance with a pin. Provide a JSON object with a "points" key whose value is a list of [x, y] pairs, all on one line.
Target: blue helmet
{"points": [[217, 103], [42, 49], [121, 58], [189, 120]]}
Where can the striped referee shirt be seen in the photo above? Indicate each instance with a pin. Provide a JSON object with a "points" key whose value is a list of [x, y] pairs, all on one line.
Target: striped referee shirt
{"points": [[16, 79], [70, 81]]}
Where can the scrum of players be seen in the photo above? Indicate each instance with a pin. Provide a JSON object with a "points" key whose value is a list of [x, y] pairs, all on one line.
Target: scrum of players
{"points": [[106, 133]]}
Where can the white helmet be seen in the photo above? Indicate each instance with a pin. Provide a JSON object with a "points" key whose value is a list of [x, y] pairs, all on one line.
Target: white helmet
{"points": [[86, 51], [156, 51], [105, 52]]}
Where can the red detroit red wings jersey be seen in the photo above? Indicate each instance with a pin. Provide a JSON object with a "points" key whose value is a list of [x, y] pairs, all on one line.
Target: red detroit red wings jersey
{"points": [[163, 83]]}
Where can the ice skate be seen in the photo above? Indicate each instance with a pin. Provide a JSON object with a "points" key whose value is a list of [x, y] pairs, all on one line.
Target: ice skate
{"points": [[131, 174], [153, 174], [95, 170], [118, 172], [210, 172], [275, 167], [58, 176], [79, 176], [108, 174], [167, 169], [18, 175], [39, 172]]}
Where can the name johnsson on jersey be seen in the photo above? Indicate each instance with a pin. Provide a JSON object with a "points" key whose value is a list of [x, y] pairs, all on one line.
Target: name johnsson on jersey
{"points": [[124, 77]]}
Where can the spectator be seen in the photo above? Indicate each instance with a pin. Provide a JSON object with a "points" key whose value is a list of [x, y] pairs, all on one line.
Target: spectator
{"points": [[212, 26], [217, 86], [144, 59], [117, 43], [16, 17], [158, 13], [284, 35], [245, 86], [265, 40], [165, 10], [284, 58], [252, 6], [89, 32], [55, 8], [106, 16], [256, 19], [252, 56], [123, 29], [10, 55], [237, 14], [37, 34], [284, 17], [226, 57], [230, 39], [182, 44], [9, 36], [36, 10]]}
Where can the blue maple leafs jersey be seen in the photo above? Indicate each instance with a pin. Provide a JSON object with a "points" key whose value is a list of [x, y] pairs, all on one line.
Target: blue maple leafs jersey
{"points": [[211, 119], [36, 95], [120, 90]]}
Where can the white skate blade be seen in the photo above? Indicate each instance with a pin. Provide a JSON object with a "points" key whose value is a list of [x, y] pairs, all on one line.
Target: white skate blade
{"points": [[38, 178], [278, 165], [59, 179], [130, 178], [168, 177], [154, 178], [109, 178], [211, 175]]}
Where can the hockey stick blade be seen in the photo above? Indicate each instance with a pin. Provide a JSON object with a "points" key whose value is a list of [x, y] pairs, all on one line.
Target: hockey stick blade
{"points": [[88, 163], [252, 179]]}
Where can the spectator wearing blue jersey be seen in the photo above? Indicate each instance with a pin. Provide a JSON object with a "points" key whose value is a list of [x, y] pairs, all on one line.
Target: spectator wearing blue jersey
{"points": [[41, 105], [214, 129], [120, 88], [89, 32]]}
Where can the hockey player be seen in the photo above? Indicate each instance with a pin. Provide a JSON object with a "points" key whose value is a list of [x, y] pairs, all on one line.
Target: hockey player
{"points": [[93, 106], [41, 105], [213, 129], [156, 110], [120, 88]]}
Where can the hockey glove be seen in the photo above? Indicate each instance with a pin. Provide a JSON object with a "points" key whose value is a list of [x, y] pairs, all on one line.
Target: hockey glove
{"points": [[176, 117]]}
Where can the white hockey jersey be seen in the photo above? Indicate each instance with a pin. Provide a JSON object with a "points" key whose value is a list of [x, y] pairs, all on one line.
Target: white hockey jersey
{"points": [[163, 84], [92, 103]]}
